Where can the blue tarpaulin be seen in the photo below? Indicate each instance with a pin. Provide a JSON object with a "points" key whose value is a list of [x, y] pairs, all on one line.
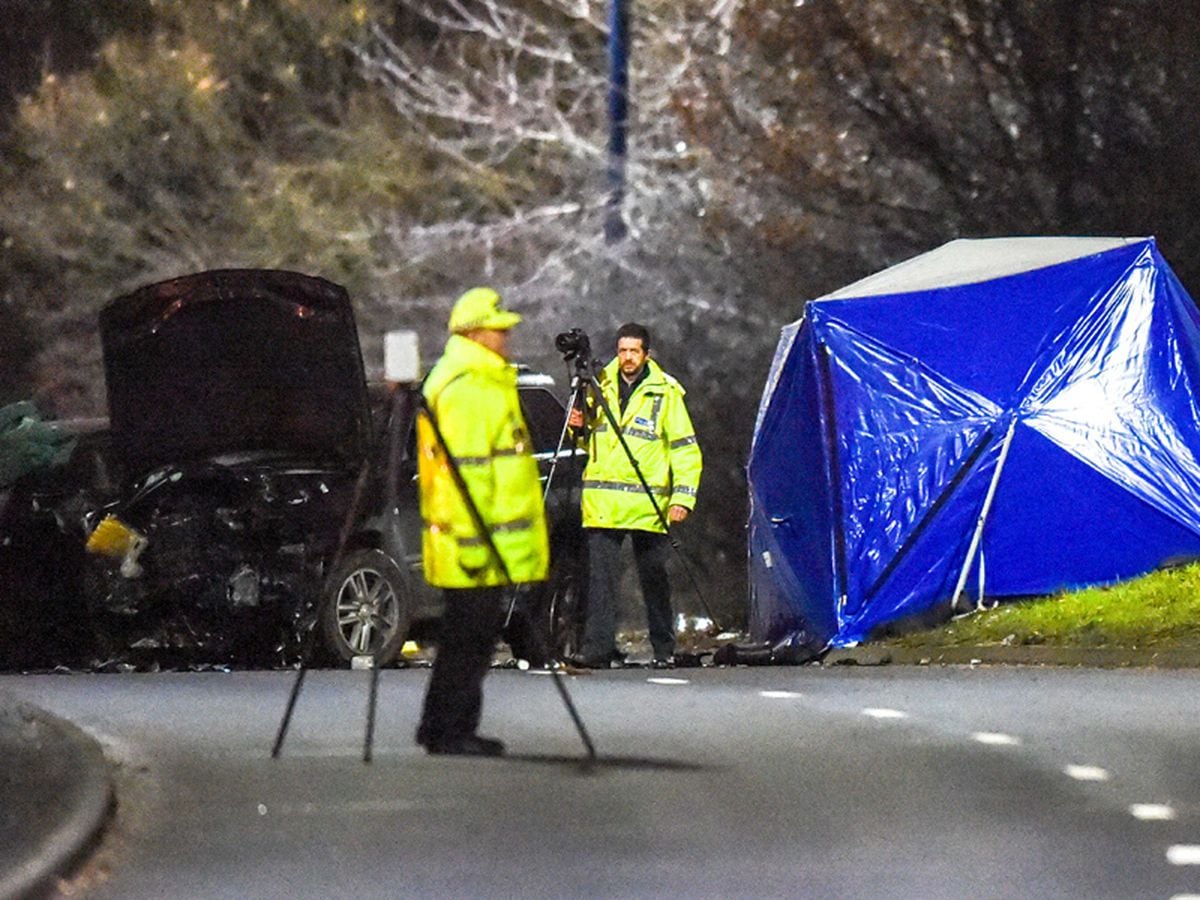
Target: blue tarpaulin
{"points": [[996, 418]]}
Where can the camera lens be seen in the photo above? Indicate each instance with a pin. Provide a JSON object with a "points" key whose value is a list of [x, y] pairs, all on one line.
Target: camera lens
{"points": [[572, 344]]}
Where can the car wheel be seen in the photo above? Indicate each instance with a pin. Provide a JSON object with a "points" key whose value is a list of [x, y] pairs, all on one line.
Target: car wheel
{"points": [[553, 614], [366, 608], [566, 616]]}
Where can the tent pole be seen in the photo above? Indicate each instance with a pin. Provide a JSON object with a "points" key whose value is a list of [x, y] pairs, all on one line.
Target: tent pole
{"points": [[982, 580], [983, 514], [834, 474], [930, 515]]}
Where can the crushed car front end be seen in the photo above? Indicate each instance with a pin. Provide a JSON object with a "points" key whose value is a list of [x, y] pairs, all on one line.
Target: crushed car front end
{"points": [[238, 413]]}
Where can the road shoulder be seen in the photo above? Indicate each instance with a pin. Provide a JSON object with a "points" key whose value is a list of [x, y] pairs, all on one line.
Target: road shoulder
{"points": [[1037, 655], [55, 796]]}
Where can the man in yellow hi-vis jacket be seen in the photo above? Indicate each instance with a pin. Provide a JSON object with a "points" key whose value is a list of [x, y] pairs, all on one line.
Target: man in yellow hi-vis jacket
{"points": [[472, 391], [648, 403]]}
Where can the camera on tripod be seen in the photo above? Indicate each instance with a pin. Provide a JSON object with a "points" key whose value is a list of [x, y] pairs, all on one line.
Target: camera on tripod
{"points": [[574, 345]]}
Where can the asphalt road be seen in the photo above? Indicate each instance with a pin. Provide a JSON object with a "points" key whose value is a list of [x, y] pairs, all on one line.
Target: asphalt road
{"points": [[797, 782]]}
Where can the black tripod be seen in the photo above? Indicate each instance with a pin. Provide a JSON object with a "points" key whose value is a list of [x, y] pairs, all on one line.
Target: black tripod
{"points": [[307, 646], [584, 384], [306, 650], [373, 687]]}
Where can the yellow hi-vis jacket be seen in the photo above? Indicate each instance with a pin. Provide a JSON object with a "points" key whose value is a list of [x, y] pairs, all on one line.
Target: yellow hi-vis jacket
{"points": [[473, 394], [659, 433]]}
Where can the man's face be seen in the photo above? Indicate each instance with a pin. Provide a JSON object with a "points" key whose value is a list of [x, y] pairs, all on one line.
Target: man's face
{"points": [[631, 356], [494, 340]]}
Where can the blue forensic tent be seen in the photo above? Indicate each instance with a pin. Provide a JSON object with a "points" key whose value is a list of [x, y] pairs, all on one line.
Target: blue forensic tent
{"points": [[998, 417]]}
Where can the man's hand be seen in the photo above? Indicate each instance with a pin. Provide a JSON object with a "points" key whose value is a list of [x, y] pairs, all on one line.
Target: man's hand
{"points": [[677, 514], [575, 420]]}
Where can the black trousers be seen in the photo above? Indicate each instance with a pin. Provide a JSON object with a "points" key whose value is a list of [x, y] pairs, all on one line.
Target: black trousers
{"points": [[467, 638], [650, 552]]}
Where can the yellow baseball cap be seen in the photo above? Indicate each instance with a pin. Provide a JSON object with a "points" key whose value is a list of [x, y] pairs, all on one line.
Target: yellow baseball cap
{"points": [[480, 308]]}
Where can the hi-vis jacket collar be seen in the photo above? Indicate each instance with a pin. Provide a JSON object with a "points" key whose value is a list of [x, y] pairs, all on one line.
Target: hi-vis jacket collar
{"points": [[656, 382]]}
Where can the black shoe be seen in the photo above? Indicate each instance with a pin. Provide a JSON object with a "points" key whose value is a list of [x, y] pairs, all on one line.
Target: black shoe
{"points": [[587, 662], [663, 662], [464, 745]]}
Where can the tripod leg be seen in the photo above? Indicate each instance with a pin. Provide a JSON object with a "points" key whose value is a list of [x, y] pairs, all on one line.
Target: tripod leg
{"points": [[538, 646], [574, 713], [291, 705], [306, 650], [372, 694], [512, 605]]}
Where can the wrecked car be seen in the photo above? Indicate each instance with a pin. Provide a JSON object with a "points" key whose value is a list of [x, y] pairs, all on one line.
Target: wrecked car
{"points": [[251, 499]]}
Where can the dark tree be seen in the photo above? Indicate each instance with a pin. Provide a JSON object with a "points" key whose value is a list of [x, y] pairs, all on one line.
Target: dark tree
{"points": [[873, 130]]}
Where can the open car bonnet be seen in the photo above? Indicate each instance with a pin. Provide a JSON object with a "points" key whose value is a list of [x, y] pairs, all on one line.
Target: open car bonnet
{"points": [[235, 360]]}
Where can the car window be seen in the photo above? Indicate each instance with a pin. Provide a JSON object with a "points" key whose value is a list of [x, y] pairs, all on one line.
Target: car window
{"points": [[545, 415]]}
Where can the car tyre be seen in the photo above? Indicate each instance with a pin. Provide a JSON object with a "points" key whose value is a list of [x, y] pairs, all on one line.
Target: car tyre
{"points": [[566, 618], [367, 607], [553, 612]]}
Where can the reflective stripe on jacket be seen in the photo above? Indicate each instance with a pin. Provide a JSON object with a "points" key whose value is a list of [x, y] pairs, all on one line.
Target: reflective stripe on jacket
{"points": [[659, 432], [473, 393]]}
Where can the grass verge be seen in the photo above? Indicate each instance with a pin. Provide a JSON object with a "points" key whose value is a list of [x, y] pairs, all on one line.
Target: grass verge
{"points": [[1160, 610]]}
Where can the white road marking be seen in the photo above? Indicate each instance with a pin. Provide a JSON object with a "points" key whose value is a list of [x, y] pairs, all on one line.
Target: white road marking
{"points": [[667, 680], [1152, 812], [1087, 773], [996, 739], [1184, 854], [876, 713], [1185, 897], [357, 806], [779, 695]]}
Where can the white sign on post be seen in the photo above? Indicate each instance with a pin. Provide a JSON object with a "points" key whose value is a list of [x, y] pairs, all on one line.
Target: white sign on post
{"points": [[401, 357]]}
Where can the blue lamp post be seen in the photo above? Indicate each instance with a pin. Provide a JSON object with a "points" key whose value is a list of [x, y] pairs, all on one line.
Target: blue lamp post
{"points": [[618, 116]]}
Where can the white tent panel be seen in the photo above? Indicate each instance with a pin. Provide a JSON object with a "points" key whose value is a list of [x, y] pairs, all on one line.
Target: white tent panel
{"points": [[969, 261]]}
